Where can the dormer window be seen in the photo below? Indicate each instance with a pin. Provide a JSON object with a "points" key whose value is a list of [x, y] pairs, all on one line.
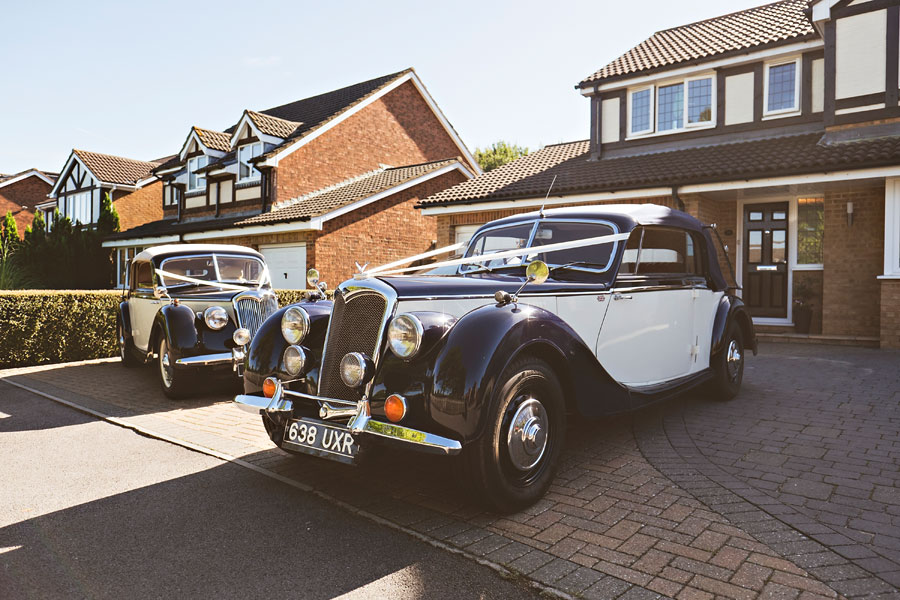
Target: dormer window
{"points": [[246, 170], [678, 106], [782, 87], [196, 181]]}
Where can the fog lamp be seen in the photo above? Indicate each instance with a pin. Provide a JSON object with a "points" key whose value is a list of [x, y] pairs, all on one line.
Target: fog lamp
{"points": [[356, 369], [269, 387], [395, 408], [294, 359], [241, 336]]}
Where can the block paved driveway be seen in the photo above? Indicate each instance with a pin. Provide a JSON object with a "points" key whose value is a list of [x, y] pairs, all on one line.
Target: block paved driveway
{"points": [[792, 490]]}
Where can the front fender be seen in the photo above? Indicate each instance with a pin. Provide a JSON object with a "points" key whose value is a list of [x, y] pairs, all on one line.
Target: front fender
{"points": [[267, 346], [177, 323], [484, 342], [125, 319]]}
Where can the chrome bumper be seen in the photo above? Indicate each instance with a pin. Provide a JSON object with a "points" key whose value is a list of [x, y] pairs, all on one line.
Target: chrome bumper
{"points": [[205, 360], [360, 423]]}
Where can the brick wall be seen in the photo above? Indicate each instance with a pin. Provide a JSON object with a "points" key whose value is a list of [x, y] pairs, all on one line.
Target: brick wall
{"points": [[140, 206], [854, 258], [397, 129], [890, 313], [383, 231], [25, 193]]}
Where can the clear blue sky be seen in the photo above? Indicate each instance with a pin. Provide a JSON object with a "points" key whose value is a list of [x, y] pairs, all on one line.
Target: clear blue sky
{"points": [[130, 78]]}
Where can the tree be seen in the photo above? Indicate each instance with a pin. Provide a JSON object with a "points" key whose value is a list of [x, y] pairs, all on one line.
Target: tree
{"points": [[108, 220], [9, 233], [498, 155]]}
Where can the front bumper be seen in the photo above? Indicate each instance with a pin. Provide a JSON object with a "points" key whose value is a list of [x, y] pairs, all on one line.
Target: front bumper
{"points": [[360, 423], [205, 360]]}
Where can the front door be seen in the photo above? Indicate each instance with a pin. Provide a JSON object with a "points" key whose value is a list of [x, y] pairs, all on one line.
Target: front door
{"points": [[765, 259]]}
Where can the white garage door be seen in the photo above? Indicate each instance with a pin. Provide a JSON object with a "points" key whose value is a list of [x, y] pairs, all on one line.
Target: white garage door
{"points": [[287, 266]]}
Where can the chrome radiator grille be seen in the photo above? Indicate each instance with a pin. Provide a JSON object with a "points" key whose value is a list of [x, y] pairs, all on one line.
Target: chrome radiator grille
{"points": [[355, 326], [252, 310]]}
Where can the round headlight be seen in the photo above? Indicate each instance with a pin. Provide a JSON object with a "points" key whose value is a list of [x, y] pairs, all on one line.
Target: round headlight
{"points": [[294, 359], [356, 368], [241, 336], [405, 335], [216, 318], [294, 325]]}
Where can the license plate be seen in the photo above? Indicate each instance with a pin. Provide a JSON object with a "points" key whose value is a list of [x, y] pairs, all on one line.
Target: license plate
{"points": [[315, 437]]}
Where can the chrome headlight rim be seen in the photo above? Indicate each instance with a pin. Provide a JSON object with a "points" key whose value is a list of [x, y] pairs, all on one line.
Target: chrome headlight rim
{"points": [[294, 325], [414, 325], [215, 317], [363, 365], [241, 336], [296, 356]]}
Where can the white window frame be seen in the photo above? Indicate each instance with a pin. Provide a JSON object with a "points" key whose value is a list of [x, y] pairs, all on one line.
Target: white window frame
{"points": [[78, 207], [651, 120], [654, 106], [891, 228], [782, 112], [254, 172], [194, 164]]}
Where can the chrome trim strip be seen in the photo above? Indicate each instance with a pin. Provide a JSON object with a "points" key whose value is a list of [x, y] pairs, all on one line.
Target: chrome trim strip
{"points": [[599, 290], [204, 360]]}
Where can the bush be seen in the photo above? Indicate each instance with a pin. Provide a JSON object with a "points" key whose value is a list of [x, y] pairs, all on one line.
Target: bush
{"points": [[49, 326]]}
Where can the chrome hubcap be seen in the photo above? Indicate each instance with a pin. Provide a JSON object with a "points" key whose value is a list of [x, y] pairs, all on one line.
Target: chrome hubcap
{"points": [[734, 360], [165, 365], [527, 437], [122, 344]]}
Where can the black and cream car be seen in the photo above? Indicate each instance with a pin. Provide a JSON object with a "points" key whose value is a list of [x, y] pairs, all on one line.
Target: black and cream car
{"points": [[590, 311], [192, 307]]}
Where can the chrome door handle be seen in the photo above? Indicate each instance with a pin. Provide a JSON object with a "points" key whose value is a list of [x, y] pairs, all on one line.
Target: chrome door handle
{"points": [[621, 297]]}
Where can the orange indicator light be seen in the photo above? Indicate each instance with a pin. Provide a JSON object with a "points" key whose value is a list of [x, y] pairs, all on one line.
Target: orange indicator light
{"points": [[269, 387], [395, 408]]}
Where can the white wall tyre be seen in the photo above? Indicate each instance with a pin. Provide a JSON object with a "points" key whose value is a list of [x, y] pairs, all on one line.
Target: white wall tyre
{"points": [[513, 464], [175, 383]]}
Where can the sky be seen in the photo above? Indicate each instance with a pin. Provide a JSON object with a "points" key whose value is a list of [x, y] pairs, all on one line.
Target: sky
{"points": [[131, 78]]}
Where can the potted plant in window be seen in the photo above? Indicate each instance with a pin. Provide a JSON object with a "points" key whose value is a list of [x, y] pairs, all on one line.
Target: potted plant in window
{"points": [[803, 306]]}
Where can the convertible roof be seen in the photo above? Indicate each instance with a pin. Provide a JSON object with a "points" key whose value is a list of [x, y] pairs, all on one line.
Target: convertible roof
{"points": [[168, 249], [625, 216]]}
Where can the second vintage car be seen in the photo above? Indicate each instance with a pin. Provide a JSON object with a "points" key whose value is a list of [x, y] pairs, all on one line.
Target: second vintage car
{"points": [[192, 307], [579, 311]]}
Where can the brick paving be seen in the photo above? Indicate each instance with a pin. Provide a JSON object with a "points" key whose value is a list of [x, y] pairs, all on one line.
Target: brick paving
{"points": [[789, 491]]}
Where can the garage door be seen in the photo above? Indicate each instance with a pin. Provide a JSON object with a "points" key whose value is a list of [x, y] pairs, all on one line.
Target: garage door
{"points": [[287, 266]]}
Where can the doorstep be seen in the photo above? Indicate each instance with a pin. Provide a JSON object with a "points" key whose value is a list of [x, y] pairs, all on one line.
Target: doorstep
{"points": [[813, 338]]}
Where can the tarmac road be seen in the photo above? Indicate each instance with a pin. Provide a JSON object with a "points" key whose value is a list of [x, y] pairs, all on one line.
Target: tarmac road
{"points": [[91, 510]]}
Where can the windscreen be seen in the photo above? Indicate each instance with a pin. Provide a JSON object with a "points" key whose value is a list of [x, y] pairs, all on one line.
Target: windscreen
{"points": [[214, 268], [498, 240]]}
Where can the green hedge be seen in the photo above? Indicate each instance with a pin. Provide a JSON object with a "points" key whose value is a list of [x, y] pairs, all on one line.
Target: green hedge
{"points": [[49, 326]]}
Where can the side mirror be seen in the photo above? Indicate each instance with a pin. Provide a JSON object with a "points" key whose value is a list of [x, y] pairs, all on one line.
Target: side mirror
{"points": [[312, 278], [537, 271], [322, 286], [160, 292]]}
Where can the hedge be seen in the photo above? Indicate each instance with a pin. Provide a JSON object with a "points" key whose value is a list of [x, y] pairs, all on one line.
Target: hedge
{"points": [[49, 326]]}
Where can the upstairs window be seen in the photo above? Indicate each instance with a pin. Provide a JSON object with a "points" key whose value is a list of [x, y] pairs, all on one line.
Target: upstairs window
{"points": [[782, 88], [196, 181], [78, 208], [246, 170], [678, 106]]}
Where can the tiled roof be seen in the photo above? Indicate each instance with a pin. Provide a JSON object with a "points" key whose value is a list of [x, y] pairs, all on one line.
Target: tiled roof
{"points": [[347, 192], [115, 169], [530, 176], [772, 24], [273, 125], [52, 176], [215, 140], [302, 208]]}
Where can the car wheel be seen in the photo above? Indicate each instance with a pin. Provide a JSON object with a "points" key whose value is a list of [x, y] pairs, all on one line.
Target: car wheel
{"points": [[126, 348], [174, 382], [513, 464], [728, 370]]}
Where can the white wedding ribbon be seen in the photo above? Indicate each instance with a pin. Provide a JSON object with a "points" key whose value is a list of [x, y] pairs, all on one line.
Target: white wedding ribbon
{"points": [[218, 284], [404, 261], [594, 241]]}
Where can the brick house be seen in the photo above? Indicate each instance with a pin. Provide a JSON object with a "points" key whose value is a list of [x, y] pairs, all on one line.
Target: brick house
{"points": [[320, 182], [779, 124], [87, 176], [22, 193]]}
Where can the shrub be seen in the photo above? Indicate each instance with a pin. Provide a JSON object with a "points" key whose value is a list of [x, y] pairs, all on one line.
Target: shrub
{"points": [[49, 326]]}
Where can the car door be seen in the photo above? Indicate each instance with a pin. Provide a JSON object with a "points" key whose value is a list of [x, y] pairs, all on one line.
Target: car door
{"points": [[142, 305], [705, 301], [647, 337]]}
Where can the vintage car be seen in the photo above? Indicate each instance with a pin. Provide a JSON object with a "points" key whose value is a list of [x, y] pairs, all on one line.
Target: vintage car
{"points": [[578, 311], [192, 307]]}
